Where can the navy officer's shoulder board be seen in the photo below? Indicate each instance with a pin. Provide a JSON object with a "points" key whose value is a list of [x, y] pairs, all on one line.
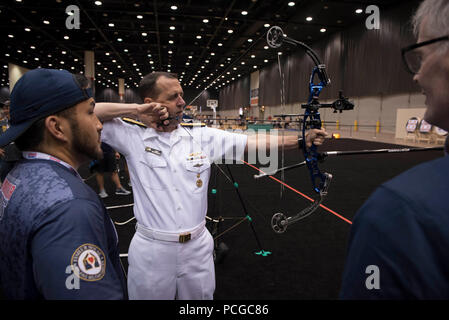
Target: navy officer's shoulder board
{"points": [[134, 122], [192, 124]]}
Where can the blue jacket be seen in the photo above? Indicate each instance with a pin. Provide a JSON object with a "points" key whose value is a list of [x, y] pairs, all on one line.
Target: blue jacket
{"points": [[56, 238], [403, 230]]}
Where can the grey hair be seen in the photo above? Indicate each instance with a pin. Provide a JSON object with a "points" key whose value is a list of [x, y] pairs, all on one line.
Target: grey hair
{"points": [[438, 11]]}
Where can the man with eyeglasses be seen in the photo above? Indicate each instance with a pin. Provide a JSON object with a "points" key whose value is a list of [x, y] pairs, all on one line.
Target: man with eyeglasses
{"points": [[398, 247]]}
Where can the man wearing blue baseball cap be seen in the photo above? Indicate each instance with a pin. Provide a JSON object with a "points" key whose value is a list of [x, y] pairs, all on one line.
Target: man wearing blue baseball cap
{"points": [[56, 238]]}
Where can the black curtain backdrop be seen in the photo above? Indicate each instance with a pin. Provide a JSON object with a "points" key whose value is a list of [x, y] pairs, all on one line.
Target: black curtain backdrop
{"points": [[111, 95], [198, 98], [235, 96], [4, 94], [359, 61], [132, 96], [107, 95]]}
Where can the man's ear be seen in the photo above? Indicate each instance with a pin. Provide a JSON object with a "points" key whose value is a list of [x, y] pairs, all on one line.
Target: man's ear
{"points": [[57, 127], [147, 100]]}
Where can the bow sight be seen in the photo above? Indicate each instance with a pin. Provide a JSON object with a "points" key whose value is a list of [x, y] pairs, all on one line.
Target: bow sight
{"points": [[338, 105]]}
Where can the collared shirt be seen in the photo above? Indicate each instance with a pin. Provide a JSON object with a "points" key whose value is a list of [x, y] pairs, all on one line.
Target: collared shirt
{"points": [[56, 239], [30, 155], [170, 171], [398, 246]]}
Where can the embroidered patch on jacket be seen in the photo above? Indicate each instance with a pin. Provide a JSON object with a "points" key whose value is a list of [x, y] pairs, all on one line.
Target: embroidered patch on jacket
{"points": [[7, 190], [91, 262]]}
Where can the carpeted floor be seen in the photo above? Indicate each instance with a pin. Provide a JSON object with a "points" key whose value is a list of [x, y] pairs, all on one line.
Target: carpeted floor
{"points": [[308, 259]]}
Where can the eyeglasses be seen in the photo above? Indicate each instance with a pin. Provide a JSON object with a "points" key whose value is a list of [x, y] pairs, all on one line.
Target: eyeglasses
{"points": [[413, 58]]}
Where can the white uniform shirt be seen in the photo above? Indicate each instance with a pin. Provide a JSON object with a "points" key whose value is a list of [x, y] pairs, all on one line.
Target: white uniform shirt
{"points": [[165, 167]]}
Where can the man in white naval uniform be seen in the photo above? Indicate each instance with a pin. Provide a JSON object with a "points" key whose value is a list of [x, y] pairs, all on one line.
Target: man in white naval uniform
{"points": [[171, 254]]}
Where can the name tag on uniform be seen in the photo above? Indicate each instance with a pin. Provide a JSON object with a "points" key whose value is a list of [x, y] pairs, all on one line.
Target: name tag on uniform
{"points": [[153, 151]]}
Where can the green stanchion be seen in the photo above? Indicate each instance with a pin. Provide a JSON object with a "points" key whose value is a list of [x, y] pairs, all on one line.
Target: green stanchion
{"points": [[263, 253]]}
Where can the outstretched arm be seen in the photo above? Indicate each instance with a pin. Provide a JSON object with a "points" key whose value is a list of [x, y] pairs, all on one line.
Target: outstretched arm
{"points": [[314, 136], [151, 114]]}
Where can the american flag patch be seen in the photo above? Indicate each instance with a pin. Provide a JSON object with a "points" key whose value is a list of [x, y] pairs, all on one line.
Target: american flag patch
{"points": [[8, 189]]}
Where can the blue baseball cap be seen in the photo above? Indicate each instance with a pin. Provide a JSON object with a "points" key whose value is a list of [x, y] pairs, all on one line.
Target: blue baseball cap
{"points": [[38, 94]]}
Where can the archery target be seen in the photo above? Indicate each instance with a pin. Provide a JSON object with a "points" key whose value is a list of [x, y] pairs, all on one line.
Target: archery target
{"points": [[425, 127], [412, 125], [439, 131]]}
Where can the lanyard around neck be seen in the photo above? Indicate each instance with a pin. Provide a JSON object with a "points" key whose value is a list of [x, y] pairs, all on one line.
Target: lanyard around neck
{"points": [[33, 155]]}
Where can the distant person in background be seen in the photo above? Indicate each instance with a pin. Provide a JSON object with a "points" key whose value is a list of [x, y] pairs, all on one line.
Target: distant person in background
{"points": [[287, 123], [4, 115], [108, 164], [9, 154], [398, 247]]}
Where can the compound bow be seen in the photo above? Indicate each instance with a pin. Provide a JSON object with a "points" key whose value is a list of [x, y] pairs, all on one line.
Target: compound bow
{"points": [[311, 120]]}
